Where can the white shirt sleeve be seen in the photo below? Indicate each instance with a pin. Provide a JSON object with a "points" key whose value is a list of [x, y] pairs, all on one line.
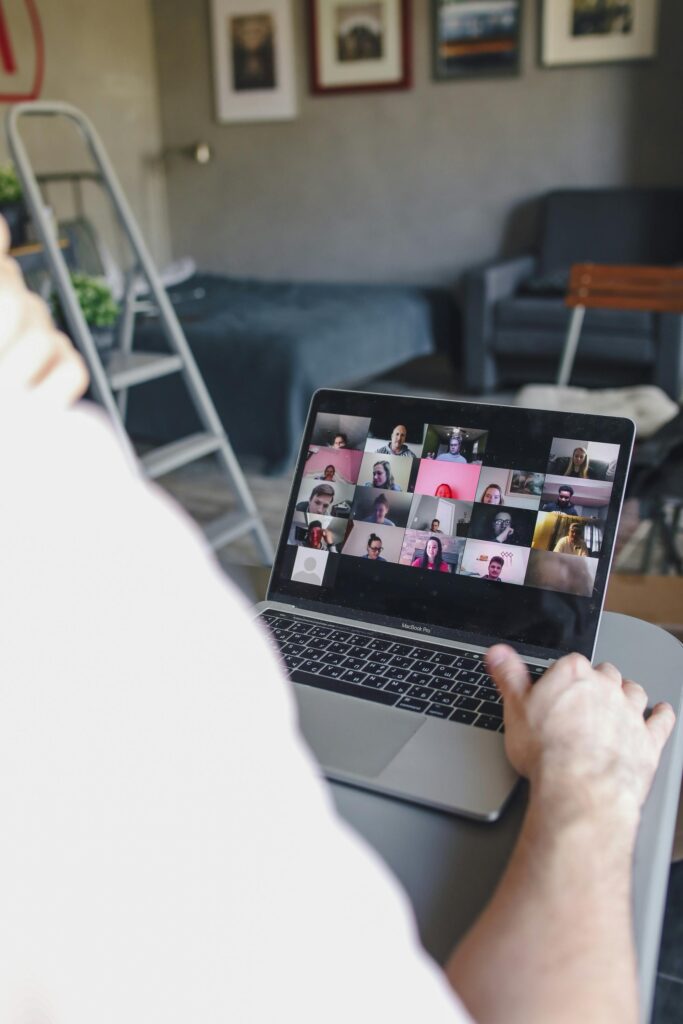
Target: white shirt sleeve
{"points": [[167, 850]]}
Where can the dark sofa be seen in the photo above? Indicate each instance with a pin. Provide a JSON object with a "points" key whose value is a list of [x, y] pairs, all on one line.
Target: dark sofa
{"points": [[514, 316]]}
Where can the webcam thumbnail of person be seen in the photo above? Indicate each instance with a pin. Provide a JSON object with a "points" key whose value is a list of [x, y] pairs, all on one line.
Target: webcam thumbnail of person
{"points": [[384, 508], [440, 516], [321, 498], [385, 472], [456, 481], [333, 431], [584, 460], [423, 549], [550, 571], [588, 499], [373, 542], [498, 563], [513, 488], [389, 437], [568, 535], [333, 465], [502, 525], [454, 444], [309, 566], [322, 533]]}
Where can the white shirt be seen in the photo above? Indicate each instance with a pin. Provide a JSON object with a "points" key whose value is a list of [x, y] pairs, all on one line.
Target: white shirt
{"points": [[168, 851]]}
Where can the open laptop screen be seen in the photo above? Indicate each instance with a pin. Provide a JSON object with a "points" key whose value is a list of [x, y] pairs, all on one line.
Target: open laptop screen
{"points": [[472, 521]]}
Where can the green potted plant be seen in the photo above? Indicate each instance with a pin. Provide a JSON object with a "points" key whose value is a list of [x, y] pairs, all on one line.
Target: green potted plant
{"points": [[99, 307], [12, 205]]}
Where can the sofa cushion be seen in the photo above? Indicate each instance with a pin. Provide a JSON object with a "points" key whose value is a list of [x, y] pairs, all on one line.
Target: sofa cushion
{"points": [[534, 312], [613, 225], [607, 347]]}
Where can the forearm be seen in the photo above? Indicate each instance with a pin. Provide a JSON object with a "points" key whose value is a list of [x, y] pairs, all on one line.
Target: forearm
{"points": [[555, 942]]}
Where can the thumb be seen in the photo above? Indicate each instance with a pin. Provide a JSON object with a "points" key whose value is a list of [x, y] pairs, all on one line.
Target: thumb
{"points": [[508, 671], [4, 237]]}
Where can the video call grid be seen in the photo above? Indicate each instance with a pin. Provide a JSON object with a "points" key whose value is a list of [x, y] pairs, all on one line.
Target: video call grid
{"points": [[367, 501]]}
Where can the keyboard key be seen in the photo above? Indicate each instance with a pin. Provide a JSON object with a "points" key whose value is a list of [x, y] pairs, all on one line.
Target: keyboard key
{"points": [[310, 666], [301, 627], [466, 689], [466, 717], [422, 665], [316, 644], [443, 672], [442, 659], [487, 707], [467, 703], [354, 663], [281, 634], [418, 678], [397, 686], [403, 649], [440, 697], [421, 692], [332, 671], [293, 661], [468, 677], [392, 672], [402, 662], [314, 655], [411, 703], [488, 683], [292, 648], [488, 722], [358, 652], [344, 687], [374, 666], [330, 658], [375, 682], [379, 645], [339, 648], [439, 711], [467, 663], [359, 639], [351, 676], [382, 657]]}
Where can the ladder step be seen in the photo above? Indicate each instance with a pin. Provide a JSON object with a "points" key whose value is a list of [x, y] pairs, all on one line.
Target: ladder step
{"points": [[179, 453], [125, 369], [228, 527]]}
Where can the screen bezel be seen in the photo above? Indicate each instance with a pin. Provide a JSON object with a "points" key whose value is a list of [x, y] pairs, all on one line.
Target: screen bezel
{"points": [[617, 430]]}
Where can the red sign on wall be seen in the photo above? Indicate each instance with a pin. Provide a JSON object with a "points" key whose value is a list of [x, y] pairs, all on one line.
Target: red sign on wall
{"points": [[20, 62]]}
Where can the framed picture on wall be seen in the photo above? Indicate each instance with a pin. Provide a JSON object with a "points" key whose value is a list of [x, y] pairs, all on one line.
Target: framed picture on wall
{"points": [[475, 38], [253, 60], [359, 46], [598, 31]]}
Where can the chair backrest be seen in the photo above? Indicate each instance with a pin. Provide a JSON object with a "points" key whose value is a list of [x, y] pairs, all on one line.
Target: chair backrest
{"points": [[596, 286], [615, 225]]}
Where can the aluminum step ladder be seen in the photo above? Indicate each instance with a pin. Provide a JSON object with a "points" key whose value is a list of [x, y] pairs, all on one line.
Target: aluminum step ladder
{"points": [[126, 367]]}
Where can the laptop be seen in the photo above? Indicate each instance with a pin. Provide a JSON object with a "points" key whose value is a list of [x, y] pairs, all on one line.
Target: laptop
{"points": [[419, 532]]}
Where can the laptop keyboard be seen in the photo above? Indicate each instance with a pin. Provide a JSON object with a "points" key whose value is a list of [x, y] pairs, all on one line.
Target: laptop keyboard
{"points": [[417, 677]]}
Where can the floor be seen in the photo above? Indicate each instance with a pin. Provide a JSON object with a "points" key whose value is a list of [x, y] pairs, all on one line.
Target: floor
{"points": [[201, 491]]}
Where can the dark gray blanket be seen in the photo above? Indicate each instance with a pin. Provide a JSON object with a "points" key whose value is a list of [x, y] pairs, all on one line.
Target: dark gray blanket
{"points": [[264, 348]]}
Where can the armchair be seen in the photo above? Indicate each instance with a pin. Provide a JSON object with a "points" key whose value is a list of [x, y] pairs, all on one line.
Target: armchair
{"points": [[514, 316]]}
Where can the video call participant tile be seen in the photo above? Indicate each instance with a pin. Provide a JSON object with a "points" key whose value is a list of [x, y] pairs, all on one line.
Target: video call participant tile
{"points": [[586, 498], [384, 508], [322, 533], [567, 535], [452, 480], [374, 543], [494, 562], [333, 431], [454, 444], [309, 567], [335, 465], [514, 488], [440, 516], [588, 460], [389, 437], [423, 549], [385, 472], [321, 498], [549, 571], [502, 525]]}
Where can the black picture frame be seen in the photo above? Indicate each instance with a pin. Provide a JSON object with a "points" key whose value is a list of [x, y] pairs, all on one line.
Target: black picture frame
{"points": [[476, 44]]}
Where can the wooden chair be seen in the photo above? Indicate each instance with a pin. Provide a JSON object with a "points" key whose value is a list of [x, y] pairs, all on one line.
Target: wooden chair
{"points": [[599, 286]]}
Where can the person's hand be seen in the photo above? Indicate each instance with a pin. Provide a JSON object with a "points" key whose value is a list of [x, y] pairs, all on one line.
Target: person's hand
{"points": [[579, 735], [505, 535], [35, 357]]}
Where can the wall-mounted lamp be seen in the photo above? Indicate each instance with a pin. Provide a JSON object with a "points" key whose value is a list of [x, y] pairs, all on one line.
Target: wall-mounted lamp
{"points": [[200, 152]]}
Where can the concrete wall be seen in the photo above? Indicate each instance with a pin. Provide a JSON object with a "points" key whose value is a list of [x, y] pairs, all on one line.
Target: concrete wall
{"points": [[100, 57], [412, 185]]}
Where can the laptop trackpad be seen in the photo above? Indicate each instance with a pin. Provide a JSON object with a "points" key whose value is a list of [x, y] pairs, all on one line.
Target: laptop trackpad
{"points": [[352, 735]]}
